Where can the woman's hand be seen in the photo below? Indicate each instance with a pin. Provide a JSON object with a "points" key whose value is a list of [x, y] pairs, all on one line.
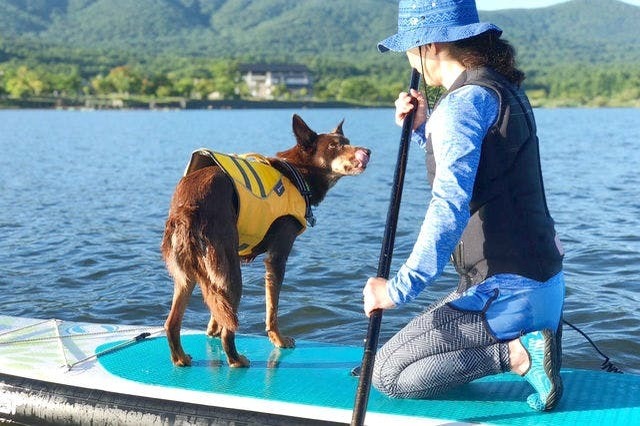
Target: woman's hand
{"points": [[376, 296], [406, 102]]}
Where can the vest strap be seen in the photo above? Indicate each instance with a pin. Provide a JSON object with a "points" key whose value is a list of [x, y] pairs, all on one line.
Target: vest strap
{"points": [[305, 190]]}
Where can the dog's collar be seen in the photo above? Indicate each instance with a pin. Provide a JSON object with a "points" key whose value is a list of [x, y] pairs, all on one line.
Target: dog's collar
{"points": [[305, 190]]}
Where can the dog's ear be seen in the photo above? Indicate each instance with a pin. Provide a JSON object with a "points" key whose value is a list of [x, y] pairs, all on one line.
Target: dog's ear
{"points": [[338, 128], [304, 135]]}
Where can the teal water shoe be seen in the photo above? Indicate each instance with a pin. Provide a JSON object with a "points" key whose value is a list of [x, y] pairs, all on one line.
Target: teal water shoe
{"points": [[544, 372]]}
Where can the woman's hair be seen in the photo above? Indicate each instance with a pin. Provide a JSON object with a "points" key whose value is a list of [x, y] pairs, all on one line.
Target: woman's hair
{"points": [[487, 49]]}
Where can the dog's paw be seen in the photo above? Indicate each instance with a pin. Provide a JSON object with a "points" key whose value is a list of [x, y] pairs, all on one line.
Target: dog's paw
{"points": [[282, 341], [213, 328], [214, 333], [288, 342], [182, 361], [241, 362]]}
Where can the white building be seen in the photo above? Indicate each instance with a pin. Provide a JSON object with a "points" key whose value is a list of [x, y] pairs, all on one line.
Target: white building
{"points": [[267, 80]]}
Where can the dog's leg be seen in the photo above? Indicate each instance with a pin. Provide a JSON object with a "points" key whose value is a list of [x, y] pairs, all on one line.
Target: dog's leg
{"points": [[228, 339], [182, 290], [222, 289], [213, 328], [227, 333], [275, 263]]}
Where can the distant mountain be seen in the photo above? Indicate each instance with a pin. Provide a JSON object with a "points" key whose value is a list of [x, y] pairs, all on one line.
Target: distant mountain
{"points": [[589, 31], [203, 27]]}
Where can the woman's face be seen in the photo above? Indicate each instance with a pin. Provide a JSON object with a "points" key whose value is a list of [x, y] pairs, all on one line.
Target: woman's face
{"points": [[423, 59]]}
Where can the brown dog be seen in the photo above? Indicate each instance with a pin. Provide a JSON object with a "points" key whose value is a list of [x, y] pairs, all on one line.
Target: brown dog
{"points": [[201, 237]]}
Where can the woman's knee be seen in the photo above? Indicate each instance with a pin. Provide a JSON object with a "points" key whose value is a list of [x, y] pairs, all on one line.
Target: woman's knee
{"points": [[383, 377]]}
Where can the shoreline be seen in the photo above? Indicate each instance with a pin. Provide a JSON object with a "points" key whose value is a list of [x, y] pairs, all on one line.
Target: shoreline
{"points": [[168, 104], [115, 103]]}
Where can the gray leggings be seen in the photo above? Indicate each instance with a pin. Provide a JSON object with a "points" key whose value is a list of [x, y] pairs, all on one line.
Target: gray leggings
{"points": [[441, 348]]}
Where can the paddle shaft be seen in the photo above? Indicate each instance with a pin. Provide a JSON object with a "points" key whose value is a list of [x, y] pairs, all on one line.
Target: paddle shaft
{"points": [[140, 337], [384, 264]]}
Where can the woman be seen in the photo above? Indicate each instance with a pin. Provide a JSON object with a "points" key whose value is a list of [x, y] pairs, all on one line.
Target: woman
{"points": [[487, 213]]}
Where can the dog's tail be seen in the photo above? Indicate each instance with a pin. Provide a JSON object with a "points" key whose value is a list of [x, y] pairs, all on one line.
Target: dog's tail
{"points": [[185, 256], [221, 309], [218, 292]]}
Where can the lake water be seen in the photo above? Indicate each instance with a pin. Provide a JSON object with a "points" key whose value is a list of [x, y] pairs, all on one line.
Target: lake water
{"points": [[84, 196]]}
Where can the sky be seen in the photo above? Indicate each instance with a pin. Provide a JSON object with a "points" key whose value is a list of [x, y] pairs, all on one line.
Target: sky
{"points": [[518, 4]]}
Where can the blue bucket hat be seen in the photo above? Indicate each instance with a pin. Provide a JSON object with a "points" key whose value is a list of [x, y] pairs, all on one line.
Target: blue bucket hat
{"points": [[422, 22]]}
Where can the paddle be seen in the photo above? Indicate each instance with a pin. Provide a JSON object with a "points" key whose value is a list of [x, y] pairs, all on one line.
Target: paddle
{"points": [[139, 338], [384, 265]]}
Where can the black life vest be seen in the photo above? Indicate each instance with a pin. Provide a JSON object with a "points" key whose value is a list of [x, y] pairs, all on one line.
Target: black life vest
{"points": [[510, 229]]}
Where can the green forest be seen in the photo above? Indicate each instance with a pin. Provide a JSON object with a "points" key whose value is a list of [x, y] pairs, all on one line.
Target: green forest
{"points": [[166, 52]]}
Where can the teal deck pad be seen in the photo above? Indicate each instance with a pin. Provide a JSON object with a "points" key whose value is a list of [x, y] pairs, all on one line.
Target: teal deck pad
{"points": [[317, 374]]}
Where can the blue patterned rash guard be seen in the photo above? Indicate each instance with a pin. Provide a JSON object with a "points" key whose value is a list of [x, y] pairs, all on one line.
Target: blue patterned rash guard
{"points": [[457, 128]]}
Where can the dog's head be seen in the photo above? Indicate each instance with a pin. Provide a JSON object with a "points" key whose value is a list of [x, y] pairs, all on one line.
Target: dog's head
{"points": [[330, 153]]}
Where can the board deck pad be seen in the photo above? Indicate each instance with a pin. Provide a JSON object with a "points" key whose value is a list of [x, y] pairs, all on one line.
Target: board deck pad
{"points": [[318, 374]]}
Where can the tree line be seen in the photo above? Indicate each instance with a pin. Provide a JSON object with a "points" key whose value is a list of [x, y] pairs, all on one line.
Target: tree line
{"points": [[374, 83]]}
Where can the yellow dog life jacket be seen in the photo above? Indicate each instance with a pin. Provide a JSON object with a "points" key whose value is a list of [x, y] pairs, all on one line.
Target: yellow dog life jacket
{"points": [[264, 194]]}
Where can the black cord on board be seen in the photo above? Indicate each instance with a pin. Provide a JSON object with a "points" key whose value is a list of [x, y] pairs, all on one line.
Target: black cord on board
{"points": [[606, 365]]}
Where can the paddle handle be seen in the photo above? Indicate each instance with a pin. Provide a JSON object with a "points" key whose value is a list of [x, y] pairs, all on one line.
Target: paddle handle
{"points": [[384, 264]]}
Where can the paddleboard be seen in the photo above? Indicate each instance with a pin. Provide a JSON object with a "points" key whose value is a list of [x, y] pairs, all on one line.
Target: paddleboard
{"points": [[61, 372]]}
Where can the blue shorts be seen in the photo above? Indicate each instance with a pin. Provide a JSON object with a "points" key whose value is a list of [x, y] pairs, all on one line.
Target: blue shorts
{"points": [[515, 305]]}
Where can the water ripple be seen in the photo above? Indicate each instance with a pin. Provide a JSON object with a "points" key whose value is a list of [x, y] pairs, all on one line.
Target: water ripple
{"points": [[80, 233]]}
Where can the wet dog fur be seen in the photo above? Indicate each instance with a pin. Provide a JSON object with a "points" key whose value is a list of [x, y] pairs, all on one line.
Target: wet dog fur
{"points": [[200, 243]]}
